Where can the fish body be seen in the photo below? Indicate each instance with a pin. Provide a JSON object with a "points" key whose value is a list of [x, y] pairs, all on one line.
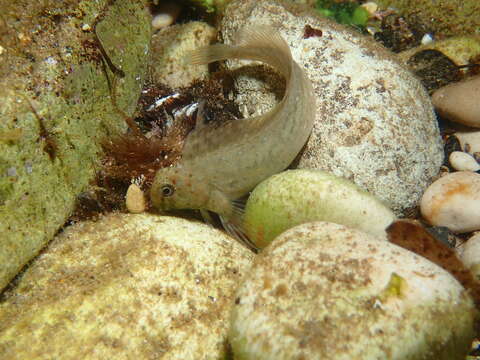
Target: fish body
{"points": [[221, 164]]}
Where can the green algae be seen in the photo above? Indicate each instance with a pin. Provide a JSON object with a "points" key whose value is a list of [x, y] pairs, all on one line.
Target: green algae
{"points": [[343, 12], [55, 87]]}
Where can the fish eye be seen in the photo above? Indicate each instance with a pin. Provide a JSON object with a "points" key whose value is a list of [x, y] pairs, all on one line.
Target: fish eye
{"points": [[167, 190]]}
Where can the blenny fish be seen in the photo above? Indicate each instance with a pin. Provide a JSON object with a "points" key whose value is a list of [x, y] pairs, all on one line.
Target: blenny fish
{"points": [[220, 164]]}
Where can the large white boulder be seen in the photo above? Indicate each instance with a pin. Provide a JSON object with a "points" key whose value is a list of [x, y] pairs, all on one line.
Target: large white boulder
{"points": [[375, 123], [325, 291], [126, 287]]}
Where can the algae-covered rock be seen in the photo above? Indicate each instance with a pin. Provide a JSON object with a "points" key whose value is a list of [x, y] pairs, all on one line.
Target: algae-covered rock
{"points": [[375, 123], [298, 196], [170, 47], [55, 107], [324, 291], [446, 17], [126, 287], [462, 50]]}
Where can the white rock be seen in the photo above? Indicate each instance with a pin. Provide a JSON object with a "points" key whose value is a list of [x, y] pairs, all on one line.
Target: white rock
{"points": [[298, 196], [324, 291], [462, 161], [126, 287], [375, 122], [170, 46], [160, 21], [470, 141], [470, 255], [135, 199], [453, 201], [167, 15], [459, 102]]}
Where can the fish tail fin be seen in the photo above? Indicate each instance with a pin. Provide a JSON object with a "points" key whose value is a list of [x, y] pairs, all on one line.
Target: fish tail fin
{"points": [[259, 43]]}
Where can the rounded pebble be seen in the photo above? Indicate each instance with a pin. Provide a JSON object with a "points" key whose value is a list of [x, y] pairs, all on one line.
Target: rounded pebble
{"points": [[462, 161], [298, 196], [453, 201], [469, 141], [125, 287], [135, 199], [171, 44], [167, 15], [324, 291], [470, 255], [459, 102]]}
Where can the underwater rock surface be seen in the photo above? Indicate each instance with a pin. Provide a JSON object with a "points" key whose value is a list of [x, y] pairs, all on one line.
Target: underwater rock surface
{"points": [[125, 287], [170, 47], [453, 201], [446, 17], [325, 291], [375, 122], [298, 196], [55, 108]]}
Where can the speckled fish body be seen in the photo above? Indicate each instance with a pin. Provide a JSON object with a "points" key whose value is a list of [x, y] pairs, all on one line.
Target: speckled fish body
{"points": [[233, 158]]}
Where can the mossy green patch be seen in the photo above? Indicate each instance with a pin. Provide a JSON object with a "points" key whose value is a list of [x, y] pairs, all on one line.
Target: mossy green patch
{"points": [[446, 18], [55, 86], [343, 12]]}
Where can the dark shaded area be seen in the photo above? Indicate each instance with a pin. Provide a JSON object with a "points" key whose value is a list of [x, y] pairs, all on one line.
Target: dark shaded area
{"points": [[434, 69], [399, 33]]}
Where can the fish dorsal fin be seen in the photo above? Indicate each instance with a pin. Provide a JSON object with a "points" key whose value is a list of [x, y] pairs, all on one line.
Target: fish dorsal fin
{"points": [[261, 43], [258, 43]]}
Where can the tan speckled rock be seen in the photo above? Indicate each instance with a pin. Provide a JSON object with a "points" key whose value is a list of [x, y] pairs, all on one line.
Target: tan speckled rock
{"points": [[463, 161], [375, 123], [459, 101], [453, 201], [470, 255], [125, 287], [324, 291], [470, 141], [169, 47]]}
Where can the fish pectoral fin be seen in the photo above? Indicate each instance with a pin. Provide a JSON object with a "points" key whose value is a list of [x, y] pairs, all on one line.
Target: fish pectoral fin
{"points": [[236, 231], [200, 118], [207, 217]]}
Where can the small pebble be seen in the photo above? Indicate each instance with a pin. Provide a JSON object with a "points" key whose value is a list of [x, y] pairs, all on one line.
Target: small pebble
{"points": [[453, 201], [470, 255], [427, 39], [166, 17], [462, 161], [370, 6], [459, 102], [86, 27], [469, 141], [135, 199]]}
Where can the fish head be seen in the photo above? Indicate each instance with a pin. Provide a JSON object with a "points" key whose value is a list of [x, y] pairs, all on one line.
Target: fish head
{"points": [[178, 188]]}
